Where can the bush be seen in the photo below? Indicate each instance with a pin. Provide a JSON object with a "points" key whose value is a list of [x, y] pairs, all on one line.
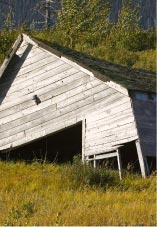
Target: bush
{"points": [[146, 60], [85, 174]]}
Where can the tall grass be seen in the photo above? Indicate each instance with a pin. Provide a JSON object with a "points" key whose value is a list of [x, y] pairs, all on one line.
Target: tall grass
{"points": [[52, 194]]}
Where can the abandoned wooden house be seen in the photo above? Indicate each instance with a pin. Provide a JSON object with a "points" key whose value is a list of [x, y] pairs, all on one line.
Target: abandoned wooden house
{"points": [[63, 102]]}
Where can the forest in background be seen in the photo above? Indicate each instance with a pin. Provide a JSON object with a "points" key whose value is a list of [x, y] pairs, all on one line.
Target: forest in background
{"points": [[31, 12], [84, 26]]}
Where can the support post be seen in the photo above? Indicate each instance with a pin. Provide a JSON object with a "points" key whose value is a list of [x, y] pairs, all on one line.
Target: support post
{"points": [[83, 139], [119, 163], [141, 159], [94, 161]]}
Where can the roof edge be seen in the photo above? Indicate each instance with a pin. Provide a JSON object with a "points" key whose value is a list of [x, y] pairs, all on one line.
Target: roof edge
{"points": [[11, 54]]}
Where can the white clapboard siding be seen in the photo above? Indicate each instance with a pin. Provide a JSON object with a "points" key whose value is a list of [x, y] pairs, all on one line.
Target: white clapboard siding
{"points": [[28, 115], [33, 66], [52, 86], [68, 95], [111, 135], [116, 121], [60, 78], [47, 93], [119, 112], [87, 101], [82, 95], [57, 117], [36, 56], [108, 111], [46, 87], [32, 73], [110, 131], [109, 145], [110, 127], [57, 66], [60, 94]]}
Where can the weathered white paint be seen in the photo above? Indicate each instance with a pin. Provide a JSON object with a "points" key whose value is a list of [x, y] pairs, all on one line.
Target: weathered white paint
{"points": [[67, 94]]}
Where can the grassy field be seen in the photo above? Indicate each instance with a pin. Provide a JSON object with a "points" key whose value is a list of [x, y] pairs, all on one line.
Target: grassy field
{"points": [[51, 194]]}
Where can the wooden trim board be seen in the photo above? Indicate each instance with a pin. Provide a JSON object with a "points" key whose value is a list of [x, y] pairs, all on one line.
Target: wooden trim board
{"points": [[11, 54]]}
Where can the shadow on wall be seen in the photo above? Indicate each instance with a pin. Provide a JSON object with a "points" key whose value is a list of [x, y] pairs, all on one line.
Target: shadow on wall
{"points": [[13, 68]]}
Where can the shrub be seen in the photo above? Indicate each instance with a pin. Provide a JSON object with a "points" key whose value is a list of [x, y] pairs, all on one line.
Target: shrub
{"points": [[146, 60], [85, 174]]}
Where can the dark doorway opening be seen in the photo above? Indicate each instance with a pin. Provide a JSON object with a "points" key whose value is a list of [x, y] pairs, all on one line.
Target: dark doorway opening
{"points": [[129, 157], [152, 164], [109, 163], [59, 147]]}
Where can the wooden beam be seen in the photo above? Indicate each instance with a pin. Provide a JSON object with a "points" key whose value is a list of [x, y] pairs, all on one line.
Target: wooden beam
{"points": [[141, 159], [10, 54], [103, 156], [94, 161], [83, 139], [119, 163], [106, 150]]}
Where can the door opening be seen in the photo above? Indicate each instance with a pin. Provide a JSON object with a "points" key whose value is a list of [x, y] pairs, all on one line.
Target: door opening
{"points": [[128, 158], [59, 147]]}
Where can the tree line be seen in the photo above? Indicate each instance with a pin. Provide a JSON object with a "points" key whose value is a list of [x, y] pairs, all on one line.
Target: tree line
{"points": [[85, 25]]}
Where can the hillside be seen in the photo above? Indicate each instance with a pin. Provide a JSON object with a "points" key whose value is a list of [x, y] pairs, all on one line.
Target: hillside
{"points": [[26, 12], [49, 194]]}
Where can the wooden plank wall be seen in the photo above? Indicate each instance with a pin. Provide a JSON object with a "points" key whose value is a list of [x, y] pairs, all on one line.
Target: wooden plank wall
{"points": [[145, 114], [112, 125], [67, 96]]}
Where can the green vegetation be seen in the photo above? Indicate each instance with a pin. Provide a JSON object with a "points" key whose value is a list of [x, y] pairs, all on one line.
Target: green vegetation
{"points": [[51, 194], [84, 26], [7, 38], [84, 21]]}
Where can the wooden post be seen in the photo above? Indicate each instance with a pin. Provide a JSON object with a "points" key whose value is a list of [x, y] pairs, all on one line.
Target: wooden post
{"points": [[94, 161], [141, 159], [119, 163], [83, 139]]}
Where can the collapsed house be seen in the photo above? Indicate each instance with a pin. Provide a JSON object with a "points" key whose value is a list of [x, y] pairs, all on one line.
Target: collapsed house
{"points": [[64, 102]]}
